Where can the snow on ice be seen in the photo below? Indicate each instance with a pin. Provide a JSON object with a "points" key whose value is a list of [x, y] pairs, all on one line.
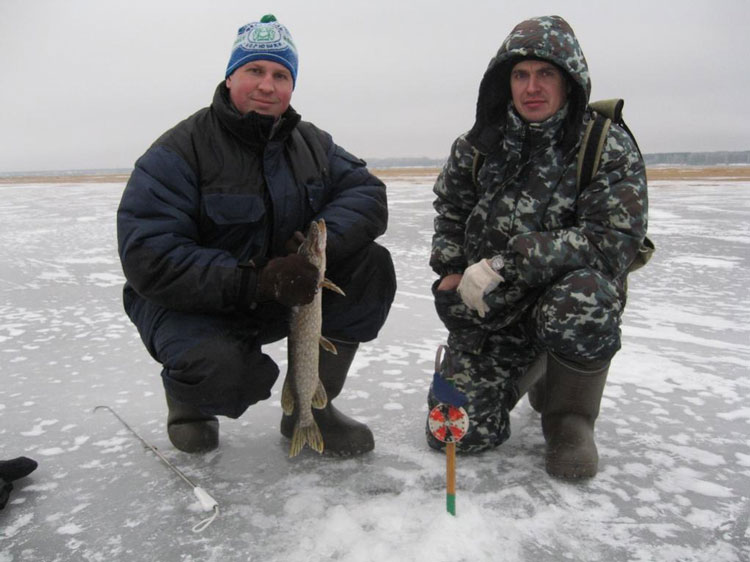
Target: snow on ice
{"points": [[674, 482]]}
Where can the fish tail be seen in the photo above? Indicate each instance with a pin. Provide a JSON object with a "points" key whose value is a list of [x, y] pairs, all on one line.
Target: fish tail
{"points": [[309, 435]]}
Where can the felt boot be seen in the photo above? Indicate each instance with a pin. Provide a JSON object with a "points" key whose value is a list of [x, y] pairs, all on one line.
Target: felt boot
{"points": [[342, 435], [572, 396], [189, 429]]}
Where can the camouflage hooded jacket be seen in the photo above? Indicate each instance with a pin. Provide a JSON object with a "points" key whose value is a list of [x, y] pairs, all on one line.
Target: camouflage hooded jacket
{"points": [[525, 204]]}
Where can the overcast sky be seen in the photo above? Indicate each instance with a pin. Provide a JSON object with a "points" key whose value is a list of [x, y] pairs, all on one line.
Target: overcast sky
{"points": [[91, 83]]}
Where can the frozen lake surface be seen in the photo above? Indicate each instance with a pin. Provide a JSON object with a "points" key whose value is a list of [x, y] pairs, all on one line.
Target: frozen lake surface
{"points": [[674, 481]]}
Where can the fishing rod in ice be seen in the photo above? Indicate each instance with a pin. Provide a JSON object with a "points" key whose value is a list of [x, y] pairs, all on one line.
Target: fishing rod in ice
{"points": [[206, 501]]}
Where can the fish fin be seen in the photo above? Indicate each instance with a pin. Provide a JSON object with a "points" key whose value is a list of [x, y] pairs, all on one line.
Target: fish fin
{"points": [[320, 398], [287, 398], [309, 435], [326, 344], [328, 284]]}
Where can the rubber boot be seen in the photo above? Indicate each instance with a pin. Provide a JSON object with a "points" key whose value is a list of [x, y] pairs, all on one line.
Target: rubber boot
{"points": [[189, 429], [533, 376], [10, 470], [536, 393], [342, 435], [572, 396]]}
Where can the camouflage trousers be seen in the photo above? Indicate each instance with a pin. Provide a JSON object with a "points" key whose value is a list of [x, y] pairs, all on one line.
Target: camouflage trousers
{"points": [[577, 318]]}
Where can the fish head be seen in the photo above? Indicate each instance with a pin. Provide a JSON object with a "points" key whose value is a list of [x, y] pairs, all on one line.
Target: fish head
{"points": [[314, 245]]}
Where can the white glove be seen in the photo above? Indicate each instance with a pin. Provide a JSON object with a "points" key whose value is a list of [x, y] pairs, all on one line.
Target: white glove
{"points": [[478, 280]]}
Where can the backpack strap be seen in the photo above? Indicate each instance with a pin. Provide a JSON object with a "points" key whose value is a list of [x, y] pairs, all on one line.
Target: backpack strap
{"points": [[606, 112], [613, 109], [476, 165], [590, 153]]}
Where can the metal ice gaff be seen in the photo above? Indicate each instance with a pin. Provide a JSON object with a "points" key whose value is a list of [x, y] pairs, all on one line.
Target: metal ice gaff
{"points": [[206, 501]]}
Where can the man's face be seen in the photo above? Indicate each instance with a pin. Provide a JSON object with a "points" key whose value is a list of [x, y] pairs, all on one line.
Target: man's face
{"points": [[539, 89], [261, 86]]}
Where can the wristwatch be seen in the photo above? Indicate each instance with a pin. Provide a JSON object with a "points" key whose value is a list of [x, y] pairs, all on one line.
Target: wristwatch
{"points": [[496, 263]]}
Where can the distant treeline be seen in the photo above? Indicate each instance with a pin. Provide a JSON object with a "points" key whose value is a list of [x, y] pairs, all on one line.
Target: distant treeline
{"points": [[721, 158], [71, 173], [667, 158], [417, 162]]}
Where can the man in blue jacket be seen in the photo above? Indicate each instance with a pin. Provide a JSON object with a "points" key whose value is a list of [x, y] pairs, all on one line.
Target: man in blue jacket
{"points": [[208, 227]]}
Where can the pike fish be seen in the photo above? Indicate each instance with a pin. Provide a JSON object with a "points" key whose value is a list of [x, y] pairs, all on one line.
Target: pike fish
{"points": [[303, 389]]}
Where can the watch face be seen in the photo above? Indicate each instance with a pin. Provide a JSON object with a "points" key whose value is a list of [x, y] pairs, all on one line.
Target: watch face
{"points": [[497, 263]]}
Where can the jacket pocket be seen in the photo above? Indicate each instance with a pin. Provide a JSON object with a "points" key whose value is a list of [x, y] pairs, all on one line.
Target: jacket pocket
{"points": [[452, 310], [227, 208], [315, 190], [466, 332]]}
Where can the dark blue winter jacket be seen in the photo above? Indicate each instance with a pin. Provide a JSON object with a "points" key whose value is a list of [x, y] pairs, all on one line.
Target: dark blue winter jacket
{"points": [[221, 189]]}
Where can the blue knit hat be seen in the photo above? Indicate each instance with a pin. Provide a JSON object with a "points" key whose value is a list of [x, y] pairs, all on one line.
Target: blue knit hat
{"points": [[266, 39]]}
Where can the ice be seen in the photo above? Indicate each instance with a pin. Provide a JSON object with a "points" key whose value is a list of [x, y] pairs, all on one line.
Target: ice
{"points": [[674, 481]]}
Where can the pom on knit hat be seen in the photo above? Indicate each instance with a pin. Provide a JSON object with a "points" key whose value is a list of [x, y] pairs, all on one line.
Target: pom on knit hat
{"points": [[266, 39]]}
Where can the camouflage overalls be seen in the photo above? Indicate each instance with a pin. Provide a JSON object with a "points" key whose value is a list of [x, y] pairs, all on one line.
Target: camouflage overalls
{"points": [[566, 253]]}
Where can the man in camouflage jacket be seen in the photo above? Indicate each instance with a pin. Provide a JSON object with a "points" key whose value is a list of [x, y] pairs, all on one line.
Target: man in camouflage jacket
{"points": [[532, 271]]}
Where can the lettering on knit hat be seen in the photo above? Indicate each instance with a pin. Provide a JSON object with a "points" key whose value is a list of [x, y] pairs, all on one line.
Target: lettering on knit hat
{"points": [[266, 39]]}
